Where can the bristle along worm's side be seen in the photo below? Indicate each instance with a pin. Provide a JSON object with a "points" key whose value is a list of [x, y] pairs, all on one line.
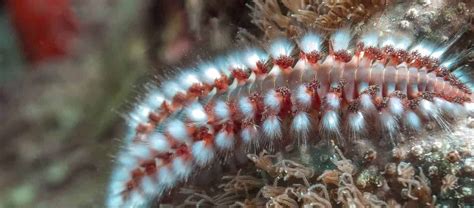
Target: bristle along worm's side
{"points": [[383, 85]]}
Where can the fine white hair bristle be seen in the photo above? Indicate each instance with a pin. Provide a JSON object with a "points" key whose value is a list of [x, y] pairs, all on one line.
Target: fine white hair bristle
{"points": [[127, 161], [221, 110], [117, 186], [356, 122], [224, 140], [464, 77], [370, 39], [330, 122], [311, 43], [118, 177], [366, 103], [224, 65], [188, 79], [136, 199], [166, 177], [469, 108], [428, 109], [116, 200], [158, 142], [340, 40], [271, 100], [170, 89], [301, 124], [332, 101], [154, 99], [177, 129], [197, 114], [209, 73], [139, 150], [252, 56], [139, 115], [246, 107], [236, 61], [272, 127], [249, 134], [439, 52], [423, 48], [445, 106], [202, 153], [395, 106], [403, 42], [450, 62], [281, 47], [302, 97], [149, 187], [412, 121], [389, 122], [182, 168], [399, 41]]}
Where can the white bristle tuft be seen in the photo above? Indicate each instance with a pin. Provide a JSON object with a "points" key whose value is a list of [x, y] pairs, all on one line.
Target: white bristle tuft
{"points": [[469, 108], [117, 186], [301, 124], [135, 200], [158, 142], [139, 115], [428, 109], [333, 102], [302, 97], [196, 113], [340, 40], [166, 177], [252, 56], [311, 43], [120, 175], [221, 110], [224, 65], [140, 151], [177, 129], [271, 100], [439, 52], [366, 104], [115, 201], [224, 140], [370, 39], [182, 168], [246, 107], [187, 80], [209, 73], [330, 122], [272, 127], [403, 42], [395, 106], [202, 153], [127, 161], [249, 134], [356, 122], [424, 48], [170, 89], [389, 122], [443, 105], [154, 99], [149, 187], [412, 120], [281, 47]]}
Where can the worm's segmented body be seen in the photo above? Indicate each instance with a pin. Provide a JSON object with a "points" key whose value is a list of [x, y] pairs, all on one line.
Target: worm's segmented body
{"points": [[386, 85]]}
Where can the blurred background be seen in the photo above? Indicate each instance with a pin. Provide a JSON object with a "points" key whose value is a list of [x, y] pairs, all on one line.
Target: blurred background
{"points": [[70, 69]]}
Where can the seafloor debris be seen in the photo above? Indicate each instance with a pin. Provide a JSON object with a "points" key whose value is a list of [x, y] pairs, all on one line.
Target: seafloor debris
{"points": [[278, 18], [437, 176]]}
